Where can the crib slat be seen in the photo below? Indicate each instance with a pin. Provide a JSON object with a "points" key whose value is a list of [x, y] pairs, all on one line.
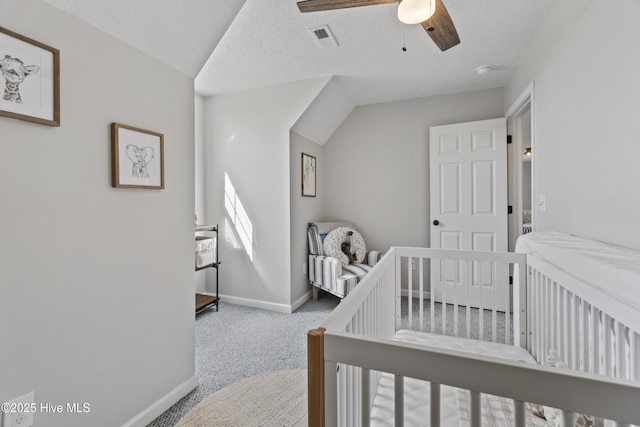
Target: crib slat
{"points": [[444, 300], [620, 341], [399, 400], [433, 305], [595, 340], [421, 284], [585, 336], [507, 332], [543, 344], [532, 313], [366, 393], [398, 292], [575, 332], [541, 309], [567, 419], [467, 287], [357, 392], [566, 353], [634, 356], [607, 331], [549, 334], [455, 306], [476, 414], [529, 313], [434, 415], [520, 310], [348, 401], [332, 393], [410, 290], [478, 273], [577, 337], [519, 413], [494, 315]]}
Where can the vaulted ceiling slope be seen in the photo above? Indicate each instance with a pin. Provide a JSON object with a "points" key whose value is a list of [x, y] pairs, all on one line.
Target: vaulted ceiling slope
{"points": [[257, 43], [179, 33]]}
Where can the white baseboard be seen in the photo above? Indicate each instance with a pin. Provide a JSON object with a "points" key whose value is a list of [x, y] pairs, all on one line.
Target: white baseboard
{"points": [[265, 305], [304, 298], [156, 409]]}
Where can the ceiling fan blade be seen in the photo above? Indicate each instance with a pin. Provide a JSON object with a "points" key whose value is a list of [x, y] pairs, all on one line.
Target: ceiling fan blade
{"points": [[441, 29], [318, 5]]}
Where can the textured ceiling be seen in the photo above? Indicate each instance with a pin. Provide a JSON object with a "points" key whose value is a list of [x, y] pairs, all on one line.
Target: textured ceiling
{"points": [[179, 33], [268, 42]]}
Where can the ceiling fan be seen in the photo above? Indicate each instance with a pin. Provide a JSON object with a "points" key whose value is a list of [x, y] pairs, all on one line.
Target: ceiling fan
{"points": [[431, 14]]}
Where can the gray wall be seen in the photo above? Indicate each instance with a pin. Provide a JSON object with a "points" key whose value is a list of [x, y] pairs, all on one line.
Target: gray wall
{"points": [[247, 139], [377, 164], [303, 211], [587, 100], [96, 283]]}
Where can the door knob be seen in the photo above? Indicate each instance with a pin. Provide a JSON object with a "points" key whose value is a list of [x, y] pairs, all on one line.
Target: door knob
{"points": [[436, 222]]}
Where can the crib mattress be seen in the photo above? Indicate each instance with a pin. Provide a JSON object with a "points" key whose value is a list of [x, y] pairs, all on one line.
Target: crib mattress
{"points": [[416, 400], [613, 270]]}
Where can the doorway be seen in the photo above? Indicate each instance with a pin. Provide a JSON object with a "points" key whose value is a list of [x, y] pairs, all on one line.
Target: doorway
{"points": [[521, 170]]}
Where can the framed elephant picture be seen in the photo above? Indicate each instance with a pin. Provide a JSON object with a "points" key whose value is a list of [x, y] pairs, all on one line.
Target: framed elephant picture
{"points": [[30, 74], [137, 157]]}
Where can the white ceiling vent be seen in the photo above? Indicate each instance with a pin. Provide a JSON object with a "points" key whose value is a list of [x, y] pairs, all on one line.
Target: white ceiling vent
{"points": [[323, 37]]}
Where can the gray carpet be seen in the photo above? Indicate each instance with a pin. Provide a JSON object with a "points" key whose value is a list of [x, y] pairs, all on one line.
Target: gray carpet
{"points": [[238, 342], [462, 321]]}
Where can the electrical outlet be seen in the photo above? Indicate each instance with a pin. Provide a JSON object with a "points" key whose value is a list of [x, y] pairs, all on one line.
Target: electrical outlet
{"points": [[19, 411], [542, 203], [413, 264]]}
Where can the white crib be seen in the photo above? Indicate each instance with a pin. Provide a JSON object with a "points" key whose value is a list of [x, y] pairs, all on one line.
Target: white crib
{"points": [[353, 356]]}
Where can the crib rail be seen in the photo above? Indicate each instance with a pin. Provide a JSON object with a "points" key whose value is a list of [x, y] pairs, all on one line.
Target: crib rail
{"points": [[551, 310], [375, 309]]}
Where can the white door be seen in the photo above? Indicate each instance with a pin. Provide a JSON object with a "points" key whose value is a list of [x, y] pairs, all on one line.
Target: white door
{"points": [[468, 175]]}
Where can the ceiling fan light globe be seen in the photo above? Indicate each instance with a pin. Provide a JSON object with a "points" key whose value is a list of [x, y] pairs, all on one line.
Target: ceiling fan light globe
{"points": [[415, 11]]}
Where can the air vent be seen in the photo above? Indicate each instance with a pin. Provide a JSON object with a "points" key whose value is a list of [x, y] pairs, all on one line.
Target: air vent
{"points": [[321, 33], [323, 37]]}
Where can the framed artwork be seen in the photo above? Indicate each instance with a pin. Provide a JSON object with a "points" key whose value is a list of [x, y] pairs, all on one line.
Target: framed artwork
{"points": [[30, 74], [308, 175], [137, 157]]}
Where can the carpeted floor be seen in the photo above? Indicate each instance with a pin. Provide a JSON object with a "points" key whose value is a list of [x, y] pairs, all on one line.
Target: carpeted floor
{"points": [[238, 342]]}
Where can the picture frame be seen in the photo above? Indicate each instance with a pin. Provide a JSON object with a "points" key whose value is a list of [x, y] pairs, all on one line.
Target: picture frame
{"points": [[29, 79], [308, 175], [137, 157]]}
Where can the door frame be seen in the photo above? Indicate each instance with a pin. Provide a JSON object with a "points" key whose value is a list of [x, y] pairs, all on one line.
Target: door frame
{"points": [[514, 162]]}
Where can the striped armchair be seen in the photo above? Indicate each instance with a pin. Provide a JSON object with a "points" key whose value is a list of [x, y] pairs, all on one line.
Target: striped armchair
{"points": [[328, 273]]}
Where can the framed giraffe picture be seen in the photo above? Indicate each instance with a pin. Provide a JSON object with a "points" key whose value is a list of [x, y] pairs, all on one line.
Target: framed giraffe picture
{"points": [[137, 158], [30, 80]]}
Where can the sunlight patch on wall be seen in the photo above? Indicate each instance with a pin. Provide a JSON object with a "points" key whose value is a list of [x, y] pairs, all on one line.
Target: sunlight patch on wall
{"points": [[238, 216], [230, 235]]}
